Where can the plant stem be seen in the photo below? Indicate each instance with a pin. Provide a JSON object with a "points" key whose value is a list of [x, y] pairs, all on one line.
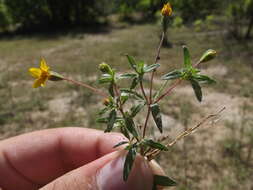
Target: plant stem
{"points": [[185, 133], [153, 72], [143, 91], [146, 122], [149, 101], [169, 90], [173, 86], [86, 86]]}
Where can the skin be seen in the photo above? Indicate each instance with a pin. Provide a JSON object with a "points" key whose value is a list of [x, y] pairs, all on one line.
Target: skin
{"points": [[34, 160]]}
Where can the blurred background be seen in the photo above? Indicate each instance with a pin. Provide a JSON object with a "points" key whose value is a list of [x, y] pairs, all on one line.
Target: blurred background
{"points": [[76, 36]]}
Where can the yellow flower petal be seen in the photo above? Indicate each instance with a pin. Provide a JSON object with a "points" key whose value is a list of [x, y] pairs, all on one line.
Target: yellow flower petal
{"points": [[167, 10], [37, 83], [43, 65], [35, 72]]}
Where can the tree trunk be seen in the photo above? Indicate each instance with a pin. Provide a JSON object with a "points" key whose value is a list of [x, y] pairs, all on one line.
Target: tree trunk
{"points": [[248, 33]]}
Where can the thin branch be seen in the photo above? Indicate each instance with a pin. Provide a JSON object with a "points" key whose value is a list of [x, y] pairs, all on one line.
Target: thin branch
{"points": [[86, 86], [169, 90], [143, 92], [153, 72], [186, 133], [146, 122]]}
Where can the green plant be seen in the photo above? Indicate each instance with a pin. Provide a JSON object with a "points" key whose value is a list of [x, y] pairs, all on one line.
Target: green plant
{"points": [[123, 104], [177, 22]]}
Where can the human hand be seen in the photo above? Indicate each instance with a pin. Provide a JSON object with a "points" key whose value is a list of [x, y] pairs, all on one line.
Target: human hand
{"points": [[71, 159]]}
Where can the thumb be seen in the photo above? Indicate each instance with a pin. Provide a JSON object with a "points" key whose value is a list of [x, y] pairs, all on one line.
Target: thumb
{"points": [[106, 173]]}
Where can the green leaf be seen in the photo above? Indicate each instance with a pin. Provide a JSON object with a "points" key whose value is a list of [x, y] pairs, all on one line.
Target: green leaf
{"points": [[136, 109], [204, 79], [111, 90], [127, 76], [197, 89], [130, 125], [124, 131], [129, 162], [150, 68], [111, 121], [132, 61], [155, 110], [134, 83], [102, 120], [120, 143], [140, 67], [105, 78], [124, 97], [155, 145], [187, 58], [133, 93], [104, 110], [163, 181], [172, 75]]}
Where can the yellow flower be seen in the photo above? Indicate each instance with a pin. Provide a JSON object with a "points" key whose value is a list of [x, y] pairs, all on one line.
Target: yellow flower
{"points": [[166, 10], [41, 74]]}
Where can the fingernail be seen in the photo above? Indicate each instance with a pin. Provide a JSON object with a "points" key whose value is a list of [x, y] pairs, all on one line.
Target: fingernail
{"points": [[110, 177]]}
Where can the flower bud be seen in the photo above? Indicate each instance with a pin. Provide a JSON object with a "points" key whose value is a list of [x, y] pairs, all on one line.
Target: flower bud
{"points": [[105, 68], [166, 10], [208, 55], [106, 101]]}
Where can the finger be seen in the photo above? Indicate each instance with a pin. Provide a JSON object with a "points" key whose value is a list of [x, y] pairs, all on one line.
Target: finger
{"points": [[34, 159], [106, 173]]}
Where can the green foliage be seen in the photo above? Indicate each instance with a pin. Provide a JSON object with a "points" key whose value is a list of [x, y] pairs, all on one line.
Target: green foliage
{"points": [[129, 161], [163, 181], [155, 145], [177, 22], [191, 10], [5, 17], [156, 113], [240, 11], [198, 25], [55, 13]]}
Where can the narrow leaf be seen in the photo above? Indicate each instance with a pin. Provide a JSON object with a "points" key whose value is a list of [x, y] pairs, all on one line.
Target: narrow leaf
{"points": [[124, 97], [111, 121], [172, 75], [151, 68], [133, 93], [134, 83], [105, 78], [111, 90], [129, 162], [120, 143], [103, 111], [197, 89], [132, 61], [155, 110], [127, 76], [155, 145], [140, 67], [136, 109], [131, 126], [124, 131], [163, 181], [187, 58], [102, 120], [204, 79]]}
